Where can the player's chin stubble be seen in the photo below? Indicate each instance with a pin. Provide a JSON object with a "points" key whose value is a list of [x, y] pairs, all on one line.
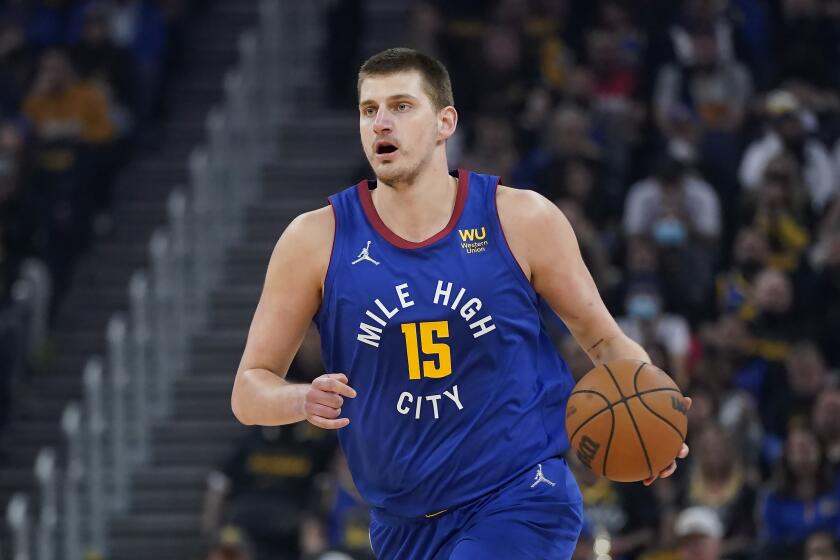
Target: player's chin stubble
{"points": [[390, 175]]}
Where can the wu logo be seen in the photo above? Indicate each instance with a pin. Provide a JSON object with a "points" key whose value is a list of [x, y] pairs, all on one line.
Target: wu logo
{"points": [[473, 234]]}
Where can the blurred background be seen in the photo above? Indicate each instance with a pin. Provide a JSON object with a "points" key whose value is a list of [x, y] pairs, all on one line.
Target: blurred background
{"points": [[152, 151]]}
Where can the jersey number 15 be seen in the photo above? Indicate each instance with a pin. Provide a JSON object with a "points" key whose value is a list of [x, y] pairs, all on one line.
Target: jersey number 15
{"points": [[430, 347]]}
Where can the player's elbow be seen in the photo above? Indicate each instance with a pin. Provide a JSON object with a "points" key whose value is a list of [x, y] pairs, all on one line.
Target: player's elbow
{"points": [[238, 401], [239, 411]]}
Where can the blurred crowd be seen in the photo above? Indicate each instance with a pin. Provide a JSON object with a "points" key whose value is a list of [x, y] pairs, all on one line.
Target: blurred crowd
{"points": [[81, 81], [82, 86], [695, 147]]}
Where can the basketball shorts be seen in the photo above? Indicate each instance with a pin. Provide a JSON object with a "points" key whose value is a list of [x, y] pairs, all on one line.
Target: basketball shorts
{"points": [[537, 515]]}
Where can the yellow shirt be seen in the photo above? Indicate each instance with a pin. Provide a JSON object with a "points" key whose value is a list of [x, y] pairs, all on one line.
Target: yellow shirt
{"points": [[79, 111]]}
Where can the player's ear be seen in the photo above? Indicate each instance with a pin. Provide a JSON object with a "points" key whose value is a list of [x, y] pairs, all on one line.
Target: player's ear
{"points": [[447, 122]]}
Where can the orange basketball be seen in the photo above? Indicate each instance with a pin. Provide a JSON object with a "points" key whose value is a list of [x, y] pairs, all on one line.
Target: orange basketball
{"points": [[626, 420]]}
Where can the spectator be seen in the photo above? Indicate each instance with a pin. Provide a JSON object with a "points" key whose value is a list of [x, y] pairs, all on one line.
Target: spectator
{"points": [[735, 286], [772, 333], [718, 481], [777, 213], [699, 532], [615, 16], [787, 133], [673, 206], [681, 213], [715, 87], [725, 348], [102, 62], [267, 484], [802, 498], [646, 322], [821, 545], [568, 138], [641, 261], [73, 132], [703, 411], [614, 74], [826, 421], [139, 27], [739, 416], [771, 327], [807, 377], [66, 110]]}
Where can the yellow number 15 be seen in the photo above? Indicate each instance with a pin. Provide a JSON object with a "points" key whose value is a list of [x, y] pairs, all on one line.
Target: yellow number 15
{"points": [[427, 343]]}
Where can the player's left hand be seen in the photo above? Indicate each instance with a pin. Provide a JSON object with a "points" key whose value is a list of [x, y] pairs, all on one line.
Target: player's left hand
{"points": [[682, 455]]}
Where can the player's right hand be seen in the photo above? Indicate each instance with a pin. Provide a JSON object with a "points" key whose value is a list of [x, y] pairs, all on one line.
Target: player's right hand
{"points": [[324, 398]]}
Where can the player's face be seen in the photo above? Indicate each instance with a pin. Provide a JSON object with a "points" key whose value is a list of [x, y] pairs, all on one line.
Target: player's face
{"points": [[398, 124]]}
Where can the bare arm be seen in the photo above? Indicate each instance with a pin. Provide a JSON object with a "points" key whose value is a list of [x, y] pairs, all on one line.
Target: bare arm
{"points": [[544, 245], [290, 298]]}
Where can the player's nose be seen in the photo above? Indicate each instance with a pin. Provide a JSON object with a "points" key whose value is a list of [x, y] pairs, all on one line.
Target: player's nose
{"points": [[382, 122]]}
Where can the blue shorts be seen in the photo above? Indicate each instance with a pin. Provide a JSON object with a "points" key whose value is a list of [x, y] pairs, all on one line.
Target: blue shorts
{"points": [[530, 517]]}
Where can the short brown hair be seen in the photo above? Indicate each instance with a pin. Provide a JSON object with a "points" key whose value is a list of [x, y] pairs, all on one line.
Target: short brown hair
{"points": [[390, 61]]}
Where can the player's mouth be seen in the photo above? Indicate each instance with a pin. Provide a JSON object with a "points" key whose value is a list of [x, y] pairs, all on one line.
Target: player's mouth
{"points": [[385, 150]]}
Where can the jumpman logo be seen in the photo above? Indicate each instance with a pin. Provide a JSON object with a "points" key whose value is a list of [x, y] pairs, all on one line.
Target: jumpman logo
{"points": [[365, 256], [540, 478]]}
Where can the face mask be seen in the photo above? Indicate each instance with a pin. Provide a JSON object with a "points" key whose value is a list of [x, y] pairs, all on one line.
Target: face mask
{"points": [[643, 307], [669, 232]]}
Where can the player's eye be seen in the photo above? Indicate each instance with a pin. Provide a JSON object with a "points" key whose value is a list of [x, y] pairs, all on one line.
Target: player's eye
{"points": [[403, 107], [368, 111]]}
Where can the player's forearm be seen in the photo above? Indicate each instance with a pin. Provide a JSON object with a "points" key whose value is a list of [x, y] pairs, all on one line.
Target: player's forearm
{"points": [[618, 347], [262, 398]]}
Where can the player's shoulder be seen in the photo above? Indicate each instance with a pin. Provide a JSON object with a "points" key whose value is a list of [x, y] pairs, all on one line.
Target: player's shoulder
{"points": [[315, 224], [309, 235], [522, 207]]}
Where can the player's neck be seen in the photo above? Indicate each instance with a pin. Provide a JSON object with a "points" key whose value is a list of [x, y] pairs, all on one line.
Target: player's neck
{"points": [[418, 210]]}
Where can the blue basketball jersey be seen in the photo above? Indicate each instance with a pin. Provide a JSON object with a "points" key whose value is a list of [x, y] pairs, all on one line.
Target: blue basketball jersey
{"points": [[459, 386]]}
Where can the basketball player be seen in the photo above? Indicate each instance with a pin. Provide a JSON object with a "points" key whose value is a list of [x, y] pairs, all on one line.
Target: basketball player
{"points": [[447, 393]]}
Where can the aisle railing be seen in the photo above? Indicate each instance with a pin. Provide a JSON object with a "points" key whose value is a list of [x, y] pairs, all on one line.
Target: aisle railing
{"points": [[107, 435]]}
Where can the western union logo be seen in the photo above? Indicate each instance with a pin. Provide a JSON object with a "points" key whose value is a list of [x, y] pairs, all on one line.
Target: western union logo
{"points": [[472, 240], [472, 234]]}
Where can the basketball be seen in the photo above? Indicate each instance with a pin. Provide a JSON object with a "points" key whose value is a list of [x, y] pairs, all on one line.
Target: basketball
{"points": [[626, 420]]}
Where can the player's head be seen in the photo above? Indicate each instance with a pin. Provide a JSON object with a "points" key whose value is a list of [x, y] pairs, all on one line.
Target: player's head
{"points": [[406, 112]]}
